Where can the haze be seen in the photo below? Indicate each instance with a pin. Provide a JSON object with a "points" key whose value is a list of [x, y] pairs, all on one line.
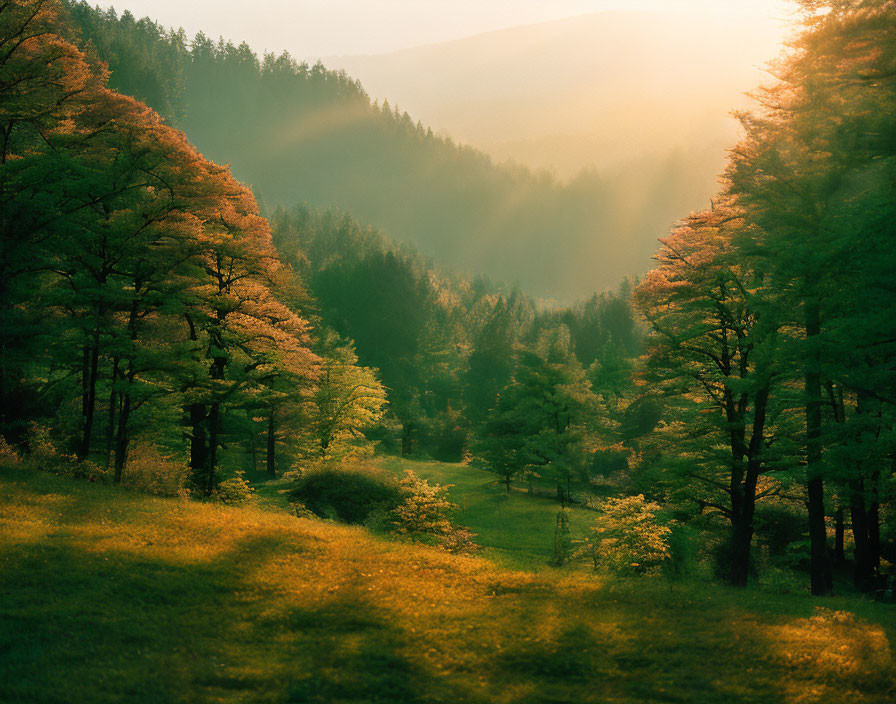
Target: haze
{"points": [[311, 28]]}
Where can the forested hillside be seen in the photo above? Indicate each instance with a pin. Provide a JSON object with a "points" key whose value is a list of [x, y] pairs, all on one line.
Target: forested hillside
{"points": [[302, 134], [725, 425]]}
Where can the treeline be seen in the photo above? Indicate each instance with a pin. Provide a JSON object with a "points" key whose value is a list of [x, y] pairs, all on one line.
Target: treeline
{"points": [[142, 297], [446, 348], [772, 314], [146, 300], [299, 133]]}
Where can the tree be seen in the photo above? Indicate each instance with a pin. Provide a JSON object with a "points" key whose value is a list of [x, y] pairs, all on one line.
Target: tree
{"points": [[543, 416], [711, 353], [815, 176], [349, 399]]}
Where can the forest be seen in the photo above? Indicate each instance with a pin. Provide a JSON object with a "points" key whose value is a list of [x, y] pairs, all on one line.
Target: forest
{"points": [[254, 448]]}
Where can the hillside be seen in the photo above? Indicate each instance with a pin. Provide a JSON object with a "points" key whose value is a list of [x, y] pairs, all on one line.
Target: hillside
{"points": [[304, 134], [111, 596], [592, 91]]}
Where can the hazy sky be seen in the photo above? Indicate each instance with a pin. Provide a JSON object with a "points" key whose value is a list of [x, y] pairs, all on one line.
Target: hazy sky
{"points": [[311, 28]]}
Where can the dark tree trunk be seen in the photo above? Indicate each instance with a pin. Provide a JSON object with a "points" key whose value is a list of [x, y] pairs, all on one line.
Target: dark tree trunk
{"points": [[89, 372], [122, 438], [839, 554], [874, 528], [110, 429], [821, 574], [741, 540], [214, 431], [272, 446], [862, 569], [198, 443]]}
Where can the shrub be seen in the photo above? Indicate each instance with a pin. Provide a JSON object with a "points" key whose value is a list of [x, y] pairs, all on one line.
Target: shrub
{"points": [[424, 515], [351, 495], [150, 471], [628, 538], [44, 456], [235, 490], [8, 455]]}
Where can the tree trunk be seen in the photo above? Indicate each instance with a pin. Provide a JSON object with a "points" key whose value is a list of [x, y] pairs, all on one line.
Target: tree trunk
{"points": [[821, 575], [272, 446], [862, 569], [839, 555], [122, 438], [214, 430], [110, 429], [741, 541], [874, 527], [90, 370], [198, 443]]}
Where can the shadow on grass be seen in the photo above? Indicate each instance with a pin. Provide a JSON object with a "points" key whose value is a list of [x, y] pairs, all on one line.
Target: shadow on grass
{"points": [[77, 626], [357, 658]]}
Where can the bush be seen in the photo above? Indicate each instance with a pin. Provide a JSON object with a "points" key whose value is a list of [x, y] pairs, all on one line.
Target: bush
{"points": [[235, 490], [44, 456], [8, 455], [423, 515], [351, 495], [628, 538], [150, 471]]}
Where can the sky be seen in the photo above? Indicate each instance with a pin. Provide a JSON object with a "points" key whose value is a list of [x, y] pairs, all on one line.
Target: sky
{"points": [[321, 28]]}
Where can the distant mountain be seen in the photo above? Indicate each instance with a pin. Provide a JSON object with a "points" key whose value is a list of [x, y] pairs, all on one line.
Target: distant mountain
{"points": [[594, 90], [306, 134]]}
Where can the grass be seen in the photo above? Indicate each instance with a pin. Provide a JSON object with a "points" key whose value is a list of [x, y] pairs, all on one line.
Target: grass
{"points": [[112, 596], [516, 529]]}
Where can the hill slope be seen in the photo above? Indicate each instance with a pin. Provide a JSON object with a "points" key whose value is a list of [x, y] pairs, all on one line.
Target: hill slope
{"points": [[111, 596], [594, 90], [300, 133]]}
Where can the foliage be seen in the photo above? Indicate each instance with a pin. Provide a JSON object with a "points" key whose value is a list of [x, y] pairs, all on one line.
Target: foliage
{"points": [[235, 491], [8, 454], [629, 538], [153, 472], [350, 493], [542, 418], [424, 515], [348, 400]]}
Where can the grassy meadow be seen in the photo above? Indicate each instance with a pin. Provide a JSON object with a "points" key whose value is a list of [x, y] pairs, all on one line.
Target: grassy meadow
{"points": [[515, 529], [109, 596]]}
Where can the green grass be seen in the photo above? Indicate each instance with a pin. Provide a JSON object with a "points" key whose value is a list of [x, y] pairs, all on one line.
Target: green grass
{"points": [[112, 596], [516, 529]]}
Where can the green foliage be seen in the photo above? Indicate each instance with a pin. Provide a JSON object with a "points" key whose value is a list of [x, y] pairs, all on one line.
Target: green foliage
{"points": [[153, 472], [352, 494], [629, 538], [348, 400], [424, 515], [541, 421], [235, 491]]}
